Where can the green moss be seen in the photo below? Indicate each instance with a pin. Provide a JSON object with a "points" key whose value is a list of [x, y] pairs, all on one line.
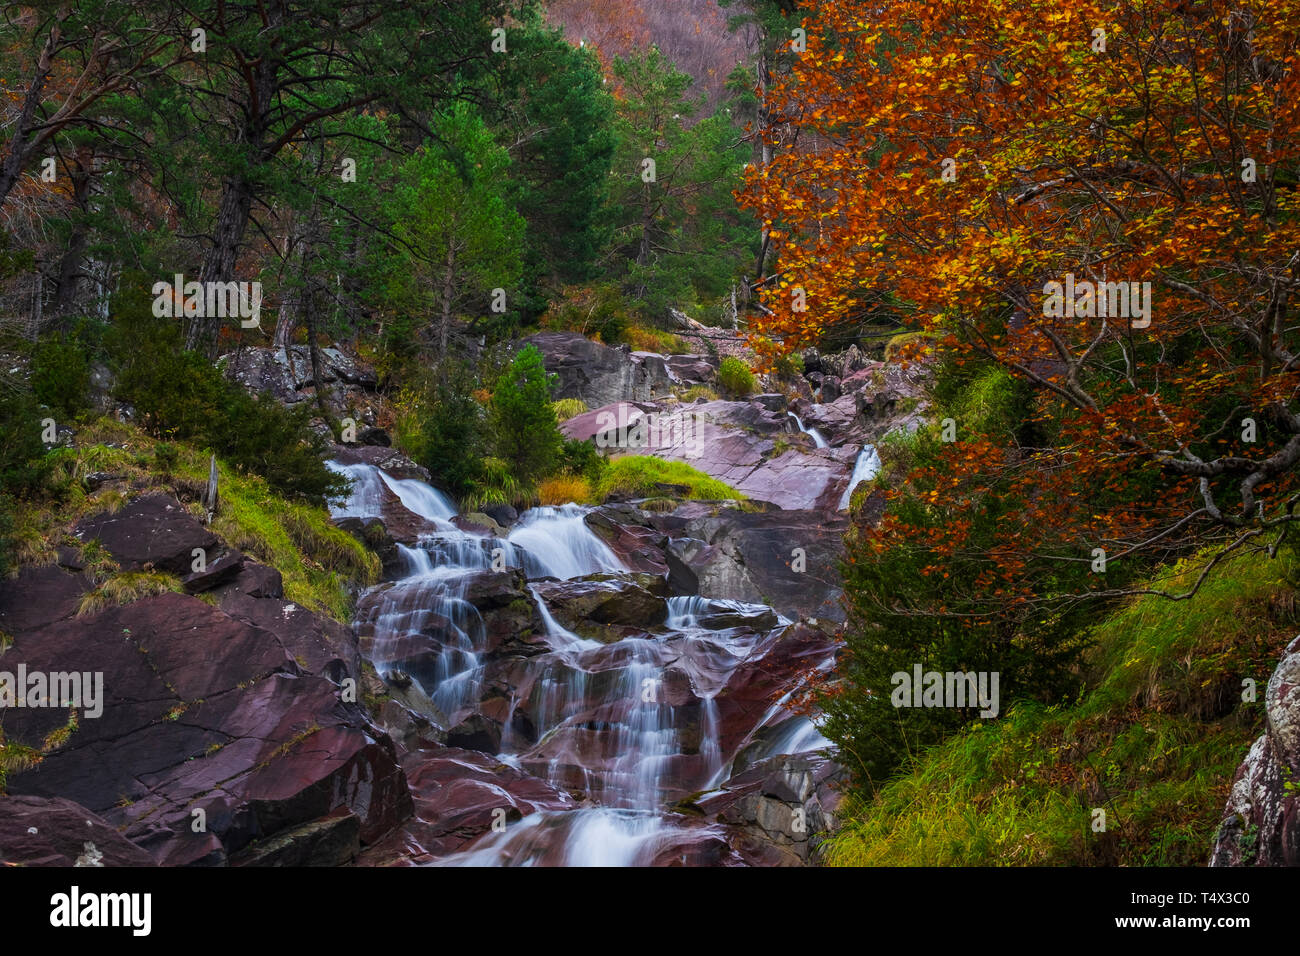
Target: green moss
{"points": [[1154, 740], [639, 476]]}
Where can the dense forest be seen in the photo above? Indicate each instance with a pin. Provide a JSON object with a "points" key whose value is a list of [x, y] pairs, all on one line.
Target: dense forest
{"points": [[958, 336]]}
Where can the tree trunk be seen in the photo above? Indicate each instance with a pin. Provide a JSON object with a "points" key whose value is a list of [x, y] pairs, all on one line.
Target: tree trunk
{"points": [[219, 263], [318, 379], [16, 158], [448, 292], [65, 297]]}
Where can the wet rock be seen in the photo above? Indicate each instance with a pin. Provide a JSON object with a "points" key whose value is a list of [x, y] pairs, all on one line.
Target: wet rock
{"points": [[771, 401], [476, 732], [785, 805], [1261, 822], [459, 795], [581, 603], [788, 560], [390, 459], [333, 840], [53, 831], [720, 615], [637, 546], [503, 515], [484, 521], [155, 531]]}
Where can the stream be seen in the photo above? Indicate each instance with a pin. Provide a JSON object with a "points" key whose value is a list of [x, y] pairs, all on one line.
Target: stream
{"points": [[629, 727]]}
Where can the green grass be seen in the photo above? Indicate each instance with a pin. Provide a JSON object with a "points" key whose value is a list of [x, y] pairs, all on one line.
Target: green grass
{"points": [[319, 563], [566, 408], [1154, 741], [638, 475]]}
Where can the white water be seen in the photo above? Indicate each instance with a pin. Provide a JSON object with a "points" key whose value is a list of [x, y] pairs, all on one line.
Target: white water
{"points": [[368, 483], [561, 543], [817, 437], [866, 467], [596, 720]]}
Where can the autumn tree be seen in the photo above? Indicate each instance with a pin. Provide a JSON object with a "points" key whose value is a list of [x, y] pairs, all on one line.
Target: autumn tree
{"points": [[979, 153]]}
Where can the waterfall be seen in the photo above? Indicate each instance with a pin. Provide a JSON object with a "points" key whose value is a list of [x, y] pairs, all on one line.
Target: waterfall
{"points": [[368, 484], [594, 719], [684, 612], [559, 544], [817, 437], [866, 467]]}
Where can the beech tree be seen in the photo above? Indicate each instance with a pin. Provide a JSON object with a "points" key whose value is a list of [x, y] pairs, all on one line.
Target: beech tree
{"points": [[981, 159]]}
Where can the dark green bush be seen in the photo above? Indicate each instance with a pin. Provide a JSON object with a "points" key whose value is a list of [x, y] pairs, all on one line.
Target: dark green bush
{"points": [[735, 377], [61, 375], [23, 461], [581, 458], [441, 426], [180, 396], [524, 429]]}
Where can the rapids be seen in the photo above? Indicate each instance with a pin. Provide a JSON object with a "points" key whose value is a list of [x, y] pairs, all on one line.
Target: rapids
{"points": [[628, 728]]}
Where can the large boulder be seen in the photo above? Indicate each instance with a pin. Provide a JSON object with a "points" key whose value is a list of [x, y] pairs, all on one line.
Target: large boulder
{"points": [[155, 531], [212, 731], [753, 446], [599, 374], [459, 796], [53, 831], [784, 806], [591, 606], [788, 560], [1261, 822], [381, 456]]}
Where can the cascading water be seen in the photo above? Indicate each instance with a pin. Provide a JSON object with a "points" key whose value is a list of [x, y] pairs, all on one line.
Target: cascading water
{"points": [[626, 727], [368, 484], [818, 439], [866, 467]]}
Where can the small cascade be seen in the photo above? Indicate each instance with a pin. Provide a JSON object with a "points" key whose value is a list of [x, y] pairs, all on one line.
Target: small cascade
{"points": [[818, 439], [626, 727], [557, 543], [866, 467], [368, 484], [684, 612]]}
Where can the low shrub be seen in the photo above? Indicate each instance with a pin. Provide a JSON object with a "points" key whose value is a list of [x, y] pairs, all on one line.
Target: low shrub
{"points": [[735, 377], [564, 489]]}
